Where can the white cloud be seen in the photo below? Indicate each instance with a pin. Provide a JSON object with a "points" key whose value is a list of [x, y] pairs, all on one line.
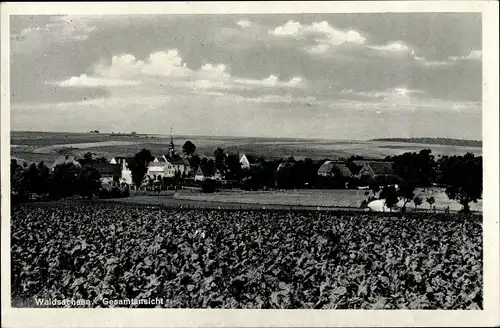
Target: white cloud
{"points": [[121, 66], [159, 63], [216, 71], [58, 30], [394, 47], [323, 32], [473, 55], [244, 23], [168, 63], [271, 81], [90, 81]]}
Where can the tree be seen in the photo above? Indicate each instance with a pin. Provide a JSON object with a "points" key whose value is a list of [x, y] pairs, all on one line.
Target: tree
{"points": [[430, 200], [188, 148], [17, 184], [194, 162], [234, 170], [64, 180], [375, 188], [139, 166], [220, 157], [463, 176], [43, 178], [390, 196], [417, 201], [407, 192], [416, 169], [89, 182], [207, 166]]}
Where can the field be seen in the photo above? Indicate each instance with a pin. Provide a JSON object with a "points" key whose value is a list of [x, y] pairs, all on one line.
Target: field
{"points": [[245, 258], [36, 146], [310, 198]]}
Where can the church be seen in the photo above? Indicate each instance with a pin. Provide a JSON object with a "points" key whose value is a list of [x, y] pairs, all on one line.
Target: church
{"points": [[169, 165]]}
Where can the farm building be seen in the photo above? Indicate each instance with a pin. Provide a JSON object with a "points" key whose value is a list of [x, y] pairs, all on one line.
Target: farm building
{"points": [[65, 159], [331, 168], [110, 173], [376, 169], [201, 175]]}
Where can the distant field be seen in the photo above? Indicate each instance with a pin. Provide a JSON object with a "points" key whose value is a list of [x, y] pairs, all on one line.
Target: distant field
{"points": [[321, 198], [37, 146]]}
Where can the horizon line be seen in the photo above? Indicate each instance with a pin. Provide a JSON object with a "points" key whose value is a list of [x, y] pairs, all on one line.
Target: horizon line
{"points": [[254, 137]]}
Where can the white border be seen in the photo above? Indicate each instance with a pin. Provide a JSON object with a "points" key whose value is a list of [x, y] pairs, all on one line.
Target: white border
{"points": [[490, 316]]}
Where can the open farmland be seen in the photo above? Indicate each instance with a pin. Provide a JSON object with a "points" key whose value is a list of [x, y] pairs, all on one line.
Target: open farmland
{"points": [[344, 198], [245, 259], [37, 146]]}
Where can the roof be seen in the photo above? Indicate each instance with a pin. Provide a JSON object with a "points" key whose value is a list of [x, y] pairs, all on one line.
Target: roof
{"points": [[106, 169], [285, 165], [65, 159], [328, 166], [127, 159], [381, 168], [200, 171], [177, 160]]}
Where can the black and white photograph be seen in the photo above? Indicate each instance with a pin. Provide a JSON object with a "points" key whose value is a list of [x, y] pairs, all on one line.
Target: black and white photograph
{"points": [[249, 161]]}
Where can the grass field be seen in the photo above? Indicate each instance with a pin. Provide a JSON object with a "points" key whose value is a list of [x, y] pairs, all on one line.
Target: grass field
{"points": [[37, 146], [313, 198], [300, 199]]}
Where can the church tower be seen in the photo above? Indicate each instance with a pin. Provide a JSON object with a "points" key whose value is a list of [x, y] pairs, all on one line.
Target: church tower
{"points": [[171, 146]]}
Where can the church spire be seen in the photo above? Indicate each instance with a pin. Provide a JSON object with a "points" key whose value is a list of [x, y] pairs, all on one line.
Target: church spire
{"points": [[171, 146]]}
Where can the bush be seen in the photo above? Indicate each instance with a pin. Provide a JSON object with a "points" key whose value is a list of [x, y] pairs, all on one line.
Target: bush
{"points": [[209, 186]]}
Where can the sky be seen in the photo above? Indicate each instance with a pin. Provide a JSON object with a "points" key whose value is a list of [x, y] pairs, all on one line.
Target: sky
{"points": [[332, 76]]}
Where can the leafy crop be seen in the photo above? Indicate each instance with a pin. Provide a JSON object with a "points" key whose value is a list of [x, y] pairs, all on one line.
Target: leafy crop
{"points": [[246, 258]]}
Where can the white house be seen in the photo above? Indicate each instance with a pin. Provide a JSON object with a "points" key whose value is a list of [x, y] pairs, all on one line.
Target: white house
{"points": [[200, 175], [245, 163], [160, 168], [126, 175]]}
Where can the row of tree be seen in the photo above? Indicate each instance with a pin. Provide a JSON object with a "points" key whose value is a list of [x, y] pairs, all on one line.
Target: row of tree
{"points": [[65, 180]]}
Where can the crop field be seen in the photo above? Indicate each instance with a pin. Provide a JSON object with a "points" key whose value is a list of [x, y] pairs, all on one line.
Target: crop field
{"points": [[36, 146], [245, 258], [346, 198]]}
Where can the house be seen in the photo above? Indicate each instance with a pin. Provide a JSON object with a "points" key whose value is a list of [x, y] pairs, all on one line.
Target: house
{"points": [[65, 159], [180, 164], [160, 168], [200, 175], [374, 169], [126, 174], [245, 163], [110, 173], [331, 168]]}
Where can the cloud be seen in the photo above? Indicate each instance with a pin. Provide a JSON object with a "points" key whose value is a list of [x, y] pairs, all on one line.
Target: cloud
{"points": [[57, 30], [322, 32], [272, 81], [160, 63], [473, 55], [91, 81], [216, 71], [244, 23], [394, 48]]}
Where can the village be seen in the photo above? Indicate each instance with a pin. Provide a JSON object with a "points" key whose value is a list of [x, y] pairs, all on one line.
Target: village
{"points": [[116, 171]]}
